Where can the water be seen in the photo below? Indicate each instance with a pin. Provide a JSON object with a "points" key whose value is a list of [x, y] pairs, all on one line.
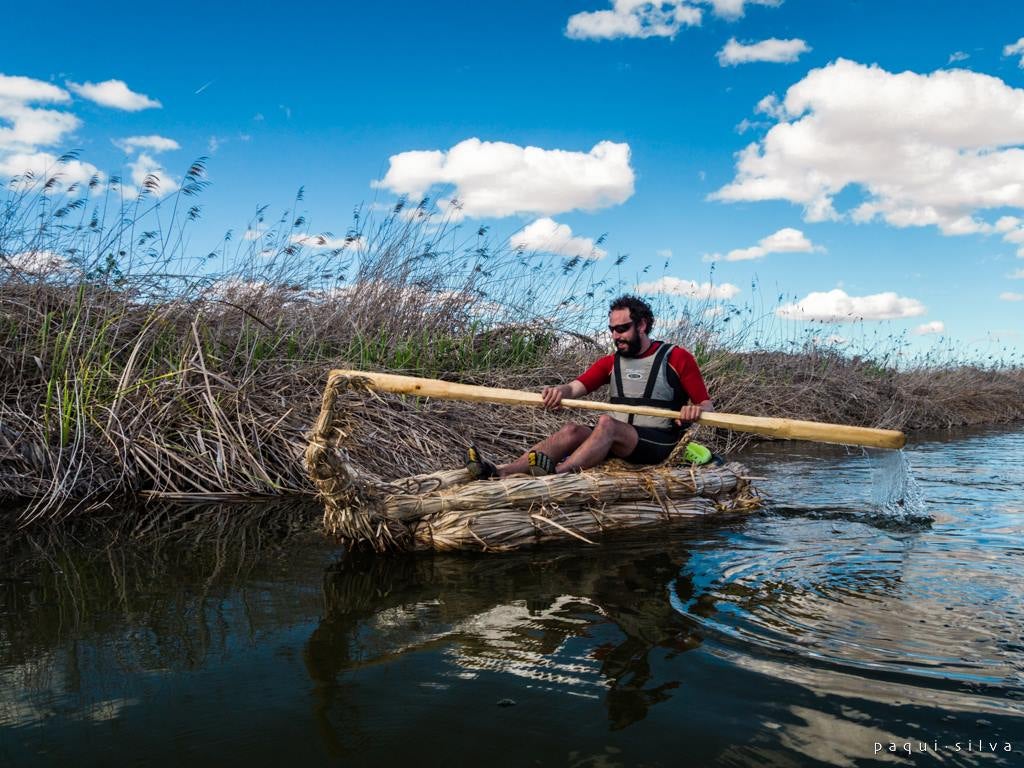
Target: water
{"points": [[851, 618]]}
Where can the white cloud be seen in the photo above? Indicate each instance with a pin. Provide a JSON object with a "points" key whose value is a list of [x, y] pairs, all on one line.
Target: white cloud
{"points": [[633, 18], [38, 262], [664, 253], [691, 289], [43, 165], [30, 127], [930, 149], [771, 106], [734, 9], [152, 143], [934, 327], [1018, 275], [833, 340], [321, 242], [28, 90], [772, 50], [1007, 223], [1011, 296], [501, 179], [712, 312], [786, 240], [235, 288], [651, 18], [551, 237], [958, 56], [836, 306], [145, 167], [114, 93], [1015, 49]]}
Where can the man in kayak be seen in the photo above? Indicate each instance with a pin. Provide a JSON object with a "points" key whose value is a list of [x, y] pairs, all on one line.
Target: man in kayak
{"points": [[640, 372]]}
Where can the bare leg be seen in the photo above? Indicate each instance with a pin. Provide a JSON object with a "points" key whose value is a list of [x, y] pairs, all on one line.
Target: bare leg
{"points": [[610, 437], [562, 443]]}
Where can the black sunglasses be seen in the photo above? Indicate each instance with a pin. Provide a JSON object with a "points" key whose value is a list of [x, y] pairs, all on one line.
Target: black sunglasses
{"points": [[621, 327]]}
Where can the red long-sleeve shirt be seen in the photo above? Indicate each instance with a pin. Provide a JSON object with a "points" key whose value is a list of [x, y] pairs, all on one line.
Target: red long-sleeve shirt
{"points": [[680, 362]]}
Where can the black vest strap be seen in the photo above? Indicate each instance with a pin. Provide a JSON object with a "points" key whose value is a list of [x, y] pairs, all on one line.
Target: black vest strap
{"points": [[620, 400], [659, 357]]}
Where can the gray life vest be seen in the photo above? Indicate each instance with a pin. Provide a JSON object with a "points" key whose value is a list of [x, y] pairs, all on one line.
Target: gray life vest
{"points": [[644, 381]]}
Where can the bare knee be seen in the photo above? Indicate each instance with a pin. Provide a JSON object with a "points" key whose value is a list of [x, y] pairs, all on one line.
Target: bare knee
{"points": [[575, 432], [607, 422]]}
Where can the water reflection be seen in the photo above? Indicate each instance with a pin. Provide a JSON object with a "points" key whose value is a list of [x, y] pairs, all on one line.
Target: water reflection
{"points": [[802, 635], [519, 615]]}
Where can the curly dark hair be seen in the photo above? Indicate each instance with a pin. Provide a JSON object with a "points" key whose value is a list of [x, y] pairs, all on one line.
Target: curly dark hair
{"points": [[638, 309]]}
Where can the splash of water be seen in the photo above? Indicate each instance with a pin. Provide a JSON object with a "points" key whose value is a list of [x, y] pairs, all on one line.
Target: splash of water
{"points": [[895, 494]]}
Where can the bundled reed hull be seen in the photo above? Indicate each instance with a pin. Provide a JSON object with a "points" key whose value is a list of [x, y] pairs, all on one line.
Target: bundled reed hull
{"points": [[447, 511]]}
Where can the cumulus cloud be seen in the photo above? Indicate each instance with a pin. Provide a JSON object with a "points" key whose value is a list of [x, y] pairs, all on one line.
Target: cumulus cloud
{"points": [[327, 242], [1018, 275], [734, 9], [926, 150], [37, 262], [935, 326], [1015, 49], [786, 240], [629, 18], [1011, 296], [691, 289], [551, 237], [148, 173], [771, 50], [647, 18], [836, 306], [501, 179], [114, 93], [24, 127], [33, 166], [27, 89], [152, 143]]}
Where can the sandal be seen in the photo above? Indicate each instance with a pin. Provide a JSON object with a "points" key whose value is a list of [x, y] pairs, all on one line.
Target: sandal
{"points": [[479, 467], [540, 464]]}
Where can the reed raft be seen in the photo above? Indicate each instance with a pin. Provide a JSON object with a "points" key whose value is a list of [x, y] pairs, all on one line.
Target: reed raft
{"points": [[448, 510]]}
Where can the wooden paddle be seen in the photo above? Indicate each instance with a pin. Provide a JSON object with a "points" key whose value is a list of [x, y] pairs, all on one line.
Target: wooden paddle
{"points": [[789, 429]]}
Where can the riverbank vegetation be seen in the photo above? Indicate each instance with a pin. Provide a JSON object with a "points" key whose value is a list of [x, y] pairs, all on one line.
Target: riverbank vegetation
{"points": [[134, 362]]}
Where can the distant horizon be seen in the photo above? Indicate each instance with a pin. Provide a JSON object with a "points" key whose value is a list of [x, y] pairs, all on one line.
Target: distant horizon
{"points": [[861, 160]]}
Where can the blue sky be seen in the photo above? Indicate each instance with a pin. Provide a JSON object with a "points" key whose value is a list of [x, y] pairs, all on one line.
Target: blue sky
{"points": [[863, 157]]}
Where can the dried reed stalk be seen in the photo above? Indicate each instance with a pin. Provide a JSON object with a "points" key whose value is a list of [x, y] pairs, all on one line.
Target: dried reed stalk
{"points": [[614, 483], [503, 529]]}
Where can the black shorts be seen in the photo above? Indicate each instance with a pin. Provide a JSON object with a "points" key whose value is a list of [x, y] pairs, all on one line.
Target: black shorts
{"points": [[654, 445]]}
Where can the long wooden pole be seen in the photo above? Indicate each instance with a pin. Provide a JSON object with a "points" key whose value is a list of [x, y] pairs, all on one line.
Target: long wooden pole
{"points": [[790, 429]]}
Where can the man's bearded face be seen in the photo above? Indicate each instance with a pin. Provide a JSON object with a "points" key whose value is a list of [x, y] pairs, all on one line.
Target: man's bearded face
{"points": [[627, 342]]}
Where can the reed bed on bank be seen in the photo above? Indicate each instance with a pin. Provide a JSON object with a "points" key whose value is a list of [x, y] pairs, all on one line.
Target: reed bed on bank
{"points": [[134, 366]]}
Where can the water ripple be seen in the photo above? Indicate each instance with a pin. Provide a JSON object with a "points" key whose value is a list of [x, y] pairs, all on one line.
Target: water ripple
{"points": [[925, 593]]}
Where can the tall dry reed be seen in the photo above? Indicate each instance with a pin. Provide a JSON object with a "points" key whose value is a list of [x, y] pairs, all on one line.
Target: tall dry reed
{"points": [[132, 366]]}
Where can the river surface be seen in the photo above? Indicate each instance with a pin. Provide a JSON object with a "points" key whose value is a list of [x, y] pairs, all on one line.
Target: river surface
{"points": [[864, 615]]}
